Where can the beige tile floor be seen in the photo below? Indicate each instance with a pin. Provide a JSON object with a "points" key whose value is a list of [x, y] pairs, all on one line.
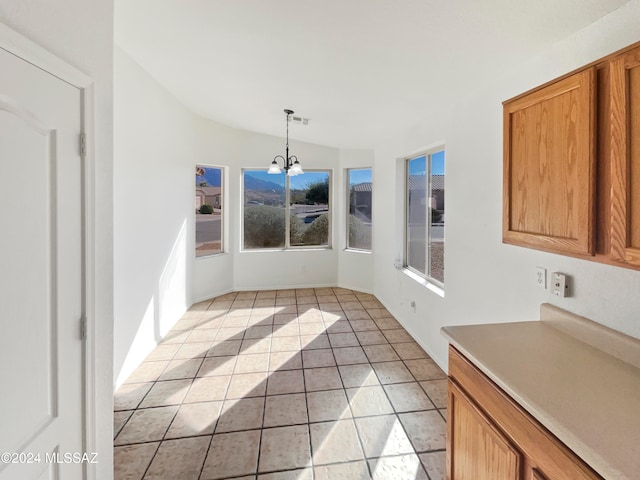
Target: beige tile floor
{"points": [[283, 385]]}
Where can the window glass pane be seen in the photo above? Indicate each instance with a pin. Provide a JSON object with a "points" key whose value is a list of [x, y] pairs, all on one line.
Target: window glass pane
{"points": [[359, 221], [436, 255], [417, 214], [208, 210], [309, 211], [264, 209]]}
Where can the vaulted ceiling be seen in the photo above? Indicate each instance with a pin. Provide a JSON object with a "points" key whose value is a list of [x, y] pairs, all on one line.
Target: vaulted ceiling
{"points": [[359, 69]]}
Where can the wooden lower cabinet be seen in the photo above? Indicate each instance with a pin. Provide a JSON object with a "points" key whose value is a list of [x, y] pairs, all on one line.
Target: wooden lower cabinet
{"points": [[490, 437], [479, 451]]}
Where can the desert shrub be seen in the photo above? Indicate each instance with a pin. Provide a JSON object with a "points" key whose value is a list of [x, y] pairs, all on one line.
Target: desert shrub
{"points": [[317, 233], [297, 228], [206, 209], [359, 233], [318, 193], [264, 227]]}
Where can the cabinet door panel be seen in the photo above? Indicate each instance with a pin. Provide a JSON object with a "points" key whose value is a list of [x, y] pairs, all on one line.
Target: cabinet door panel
{"points": [[549, 166], [540, 450], [537, 475], [477, 449], [625, 157]]}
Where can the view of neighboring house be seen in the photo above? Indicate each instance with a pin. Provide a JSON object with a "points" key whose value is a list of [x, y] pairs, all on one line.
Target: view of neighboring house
{"points": [[437, 192], [208, 191], [361, 198], [417, 185], [208, 196]]}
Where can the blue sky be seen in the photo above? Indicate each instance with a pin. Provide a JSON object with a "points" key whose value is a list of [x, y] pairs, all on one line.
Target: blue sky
{"points": [[299, 182], [418, 166], [437, 163], [211, 176], [359, 176]]}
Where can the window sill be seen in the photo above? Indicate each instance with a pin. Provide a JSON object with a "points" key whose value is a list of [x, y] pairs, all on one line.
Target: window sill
{"points": [[437, 289], [212, 255], [356, 250], [278, 250]]}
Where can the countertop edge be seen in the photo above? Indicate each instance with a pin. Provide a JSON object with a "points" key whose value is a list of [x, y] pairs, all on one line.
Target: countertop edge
{"points": [[591, 457]]}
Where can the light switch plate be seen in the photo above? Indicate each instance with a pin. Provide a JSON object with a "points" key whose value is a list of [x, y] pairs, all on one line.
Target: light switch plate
{"points": [[559, 285]]}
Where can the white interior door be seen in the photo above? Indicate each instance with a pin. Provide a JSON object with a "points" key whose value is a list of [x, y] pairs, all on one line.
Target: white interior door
{"points": [[41, 274]]}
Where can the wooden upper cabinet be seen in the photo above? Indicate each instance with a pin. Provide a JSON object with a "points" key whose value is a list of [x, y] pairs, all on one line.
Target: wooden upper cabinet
{"points": [[624, 134], [549, 166], [536, 475]]}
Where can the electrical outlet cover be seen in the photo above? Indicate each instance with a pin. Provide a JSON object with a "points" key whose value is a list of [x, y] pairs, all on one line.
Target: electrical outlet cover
{"points": [[541, 277]]}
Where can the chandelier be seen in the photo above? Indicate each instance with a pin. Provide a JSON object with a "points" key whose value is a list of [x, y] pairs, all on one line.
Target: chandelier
{"points": [[291, 164]]}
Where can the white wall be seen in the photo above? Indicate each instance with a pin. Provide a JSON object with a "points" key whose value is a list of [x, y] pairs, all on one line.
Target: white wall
{"points": [[154, 151], [355, 269], [81, 33], [157, 277], [266, 270], [216, 145], [486, 281], [239, 149]]}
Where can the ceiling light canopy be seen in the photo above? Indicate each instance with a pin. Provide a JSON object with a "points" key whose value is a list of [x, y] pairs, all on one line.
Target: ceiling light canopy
{"points": [[291, 164]]}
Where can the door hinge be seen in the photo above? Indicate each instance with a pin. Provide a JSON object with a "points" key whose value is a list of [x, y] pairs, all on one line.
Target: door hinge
{"points": [[83, 144], [83, 328]]}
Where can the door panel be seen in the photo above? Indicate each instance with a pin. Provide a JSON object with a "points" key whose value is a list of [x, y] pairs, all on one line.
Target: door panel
{"points": [[549, 166], [28, 319], [624, 97], [537, 475], [40, 272], [477, 449]]}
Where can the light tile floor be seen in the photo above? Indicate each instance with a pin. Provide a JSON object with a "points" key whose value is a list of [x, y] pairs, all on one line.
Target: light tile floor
{"points": [[283, 385]]}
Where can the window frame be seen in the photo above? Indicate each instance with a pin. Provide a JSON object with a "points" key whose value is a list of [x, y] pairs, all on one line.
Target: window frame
{"points": [[428, 154], [287, 242], [348, 206], [223, 214]]}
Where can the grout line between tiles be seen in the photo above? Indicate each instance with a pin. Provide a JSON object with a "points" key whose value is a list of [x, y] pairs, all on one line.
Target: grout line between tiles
{"points": [[306, 402], [353, 420], [395, 412], [299, 351], [264, 406]]}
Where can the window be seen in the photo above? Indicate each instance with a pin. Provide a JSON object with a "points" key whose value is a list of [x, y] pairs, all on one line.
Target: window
{"points": [[424, 232], [359, 214], [281, 212], [209, 223]]}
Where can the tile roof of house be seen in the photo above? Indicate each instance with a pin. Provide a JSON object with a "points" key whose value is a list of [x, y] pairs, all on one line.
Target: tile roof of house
{"points": [[209, 190], [416, 182], [362, 187]]}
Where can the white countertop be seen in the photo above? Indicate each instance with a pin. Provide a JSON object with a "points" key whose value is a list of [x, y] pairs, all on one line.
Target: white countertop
{"points": [[587, 398]]}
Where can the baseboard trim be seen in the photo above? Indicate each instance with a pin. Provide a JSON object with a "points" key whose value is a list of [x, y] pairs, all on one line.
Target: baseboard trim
{"points": [[415, 337], [279, 287]]}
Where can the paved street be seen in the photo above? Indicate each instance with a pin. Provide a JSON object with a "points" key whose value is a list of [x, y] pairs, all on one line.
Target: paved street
{"points": [[208, 228]]}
